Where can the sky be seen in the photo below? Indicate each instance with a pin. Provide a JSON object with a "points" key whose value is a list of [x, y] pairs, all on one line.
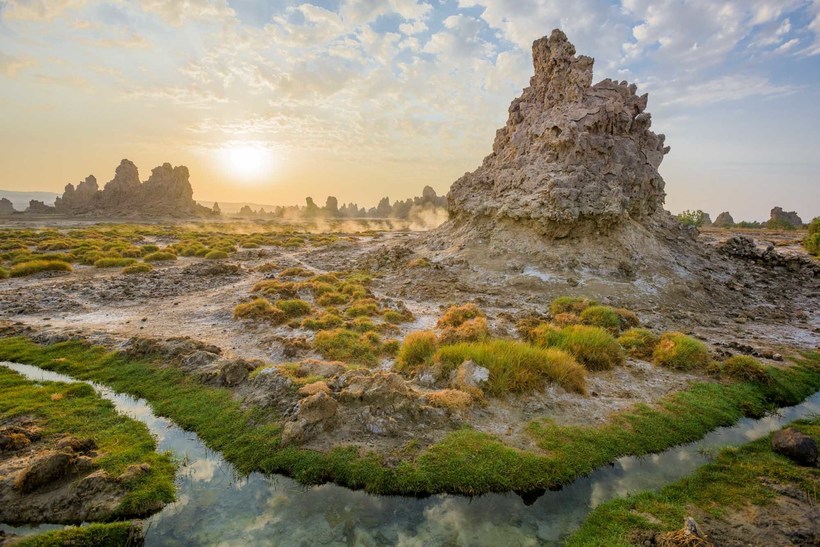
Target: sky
{"points": [[272, 101]]}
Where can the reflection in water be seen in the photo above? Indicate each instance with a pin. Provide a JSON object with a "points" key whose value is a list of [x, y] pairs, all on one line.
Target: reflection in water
{"points": [[216, 507]]}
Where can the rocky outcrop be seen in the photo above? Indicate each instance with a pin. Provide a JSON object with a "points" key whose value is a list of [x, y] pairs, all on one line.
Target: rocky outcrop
{"points": [[740, 246], [6, 207], [571, 152], [778, 218], [39, 208], [167, 192], [724, 220]]}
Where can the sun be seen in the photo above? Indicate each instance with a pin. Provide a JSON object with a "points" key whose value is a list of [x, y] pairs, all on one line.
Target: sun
{"points": [[247, 161]]}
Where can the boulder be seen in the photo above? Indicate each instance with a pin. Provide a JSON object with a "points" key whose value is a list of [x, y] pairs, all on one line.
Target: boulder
{"points": [[796, 446], [470, 377], [234, 372]]}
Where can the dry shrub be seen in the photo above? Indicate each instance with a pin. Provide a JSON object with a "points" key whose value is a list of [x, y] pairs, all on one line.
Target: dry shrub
{"points": [[457, 315], [639, 343], [453, 399], [566, 319], [471, 330]]}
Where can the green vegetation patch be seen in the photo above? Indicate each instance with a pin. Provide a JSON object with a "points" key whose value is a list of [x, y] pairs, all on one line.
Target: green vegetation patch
{"points": [[36, 266], [93, 535], [733, 480], [515, 367], [639, 343], [678, 351], [594, 347], [416, 349], [114, 262], [464, 462], [121, 441]]}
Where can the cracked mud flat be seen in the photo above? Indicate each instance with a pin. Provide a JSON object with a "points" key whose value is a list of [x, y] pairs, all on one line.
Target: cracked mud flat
{"points": [[746, 309]]}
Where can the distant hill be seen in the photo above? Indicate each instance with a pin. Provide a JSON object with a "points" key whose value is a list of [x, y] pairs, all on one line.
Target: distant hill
{"points": [[20, 199]]}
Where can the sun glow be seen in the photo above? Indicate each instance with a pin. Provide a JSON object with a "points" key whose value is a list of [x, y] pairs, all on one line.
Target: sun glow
{"points": [[247, 161]]}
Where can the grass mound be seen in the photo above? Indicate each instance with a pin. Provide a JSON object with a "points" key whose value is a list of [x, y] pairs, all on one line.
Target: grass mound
{"points": [[456, 315], [594, 347], [639, 343], [293, 307], [416, 349], [677, 351], [603, 317], [114, 262], [570, 304], [36, 266], [139, 267], [349, 346], [216, 255], [515, 367], [745, 368], [259, 309], [160, 256]]}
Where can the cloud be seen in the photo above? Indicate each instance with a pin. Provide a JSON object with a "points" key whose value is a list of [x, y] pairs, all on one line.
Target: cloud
{"points": [[37, 10], [11, 66], [728, 88], [176, 12]]}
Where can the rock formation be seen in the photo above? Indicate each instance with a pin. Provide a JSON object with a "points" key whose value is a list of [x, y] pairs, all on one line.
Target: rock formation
{"points": [[571, 154], [572, 182], [39, 208], [6, 207], [167, 192], [724, 220], [778, 218]]}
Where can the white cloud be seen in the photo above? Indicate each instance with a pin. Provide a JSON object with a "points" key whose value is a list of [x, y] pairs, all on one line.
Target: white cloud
{"points": [[176, 12], [726, 89], [37, 10]]}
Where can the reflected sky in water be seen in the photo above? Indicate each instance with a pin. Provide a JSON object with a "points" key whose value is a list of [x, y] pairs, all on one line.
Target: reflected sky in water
{"points": [[214, 506]]}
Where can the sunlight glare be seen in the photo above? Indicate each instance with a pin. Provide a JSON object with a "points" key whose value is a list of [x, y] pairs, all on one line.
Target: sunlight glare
{"points": [[247, 161]]}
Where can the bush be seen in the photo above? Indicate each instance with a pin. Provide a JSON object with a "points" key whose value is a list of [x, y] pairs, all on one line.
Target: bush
{"points": [[159, 256], [594, 347], [570, 304], [348, 346], [471, 330], [639, 343], [677, 351], [294, 307], [37, 266], [743, 367], [456, 315], [113, 262], [515, 367], [418, 348], [602, 316], [812, 240], [216, 255], [692, 218], [259, 309], [139, 267]]}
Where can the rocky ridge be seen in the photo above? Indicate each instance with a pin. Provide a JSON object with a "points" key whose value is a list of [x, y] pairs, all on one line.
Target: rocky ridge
{"points": [[167, 192]]}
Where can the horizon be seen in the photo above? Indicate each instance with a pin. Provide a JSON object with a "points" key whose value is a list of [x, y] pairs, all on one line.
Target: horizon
{"points": [[270, 104]]}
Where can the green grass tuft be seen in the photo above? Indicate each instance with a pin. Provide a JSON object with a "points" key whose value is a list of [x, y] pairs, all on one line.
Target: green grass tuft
{"points": [[416, 349], [37, 266], [677, 351], [594, 347]]}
